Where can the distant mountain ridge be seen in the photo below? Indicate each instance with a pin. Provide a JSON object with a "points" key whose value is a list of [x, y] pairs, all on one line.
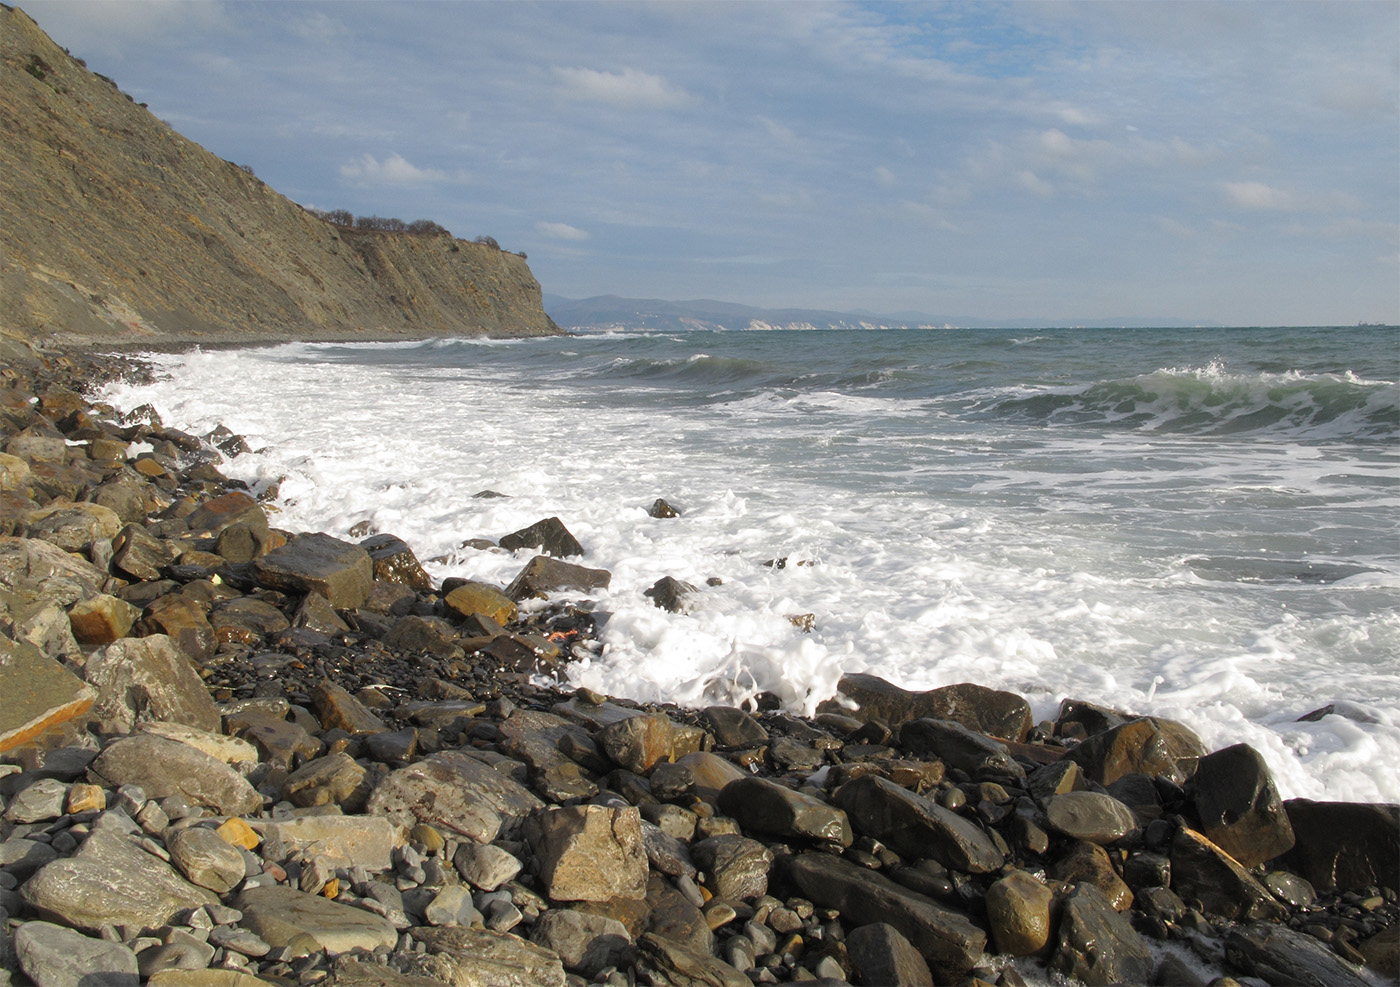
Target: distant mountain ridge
{"points": [[658, 315], [115, 229]]}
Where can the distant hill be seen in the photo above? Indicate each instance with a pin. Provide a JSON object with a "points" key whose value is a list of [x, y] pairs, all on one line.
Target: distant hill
{"points": [[114, 229], [613, 312]]}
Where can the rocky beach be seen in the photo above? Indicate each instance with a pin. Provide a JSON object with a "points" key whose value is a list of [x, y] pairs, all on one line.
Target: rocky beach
{"points": [[232, 754]]}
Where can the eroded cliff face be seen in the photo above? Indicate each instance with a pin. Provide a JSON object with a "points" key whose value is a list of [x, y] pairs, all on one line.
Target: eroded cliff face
{"points": [[115, 230]]}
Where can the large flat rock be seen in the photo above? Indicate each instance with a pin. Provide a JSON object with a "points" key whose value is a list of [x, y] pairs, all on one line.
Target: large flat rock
{"points": [[318, 563], [40, 694], [165, 767], [278, 915], [150, 678]]}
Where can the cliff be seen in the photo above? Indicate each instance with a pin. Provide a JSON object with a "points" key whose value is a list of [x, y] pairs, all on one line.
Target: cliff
{"points": [[115, 230]]}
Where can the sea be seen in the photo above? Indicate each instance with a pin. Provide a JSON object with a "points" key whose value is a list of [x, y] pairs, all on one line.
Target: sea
{"points": [[1199, 524]]}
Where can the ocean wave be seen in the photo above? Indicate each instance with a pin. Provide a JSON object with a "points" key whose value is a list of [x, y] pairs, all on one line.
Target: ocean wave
{"points": [[1211, 400]]}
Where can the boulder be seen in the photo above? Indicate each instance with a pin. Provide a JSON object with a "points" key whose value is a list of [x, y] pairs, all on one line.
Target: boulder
{"points": [[1203, 872], [1370, 854], [667, 961], [670, 594], [638, 742], [983, 758], [1091, 816], [485, 866], [345, 841], [1019, 914], [483, 957], [1239, 807], [1004, 715], [711, 773], [34, 569], [338, 710], [139, 554], [454, 792], [236, 507], [336, 779], [584, 943], [916, 827], [53, 956], [549, 536], [183, 619], [881, 956], [948, 940], [1147, 745], [164, 768], [149, 678], [736, 867], [73, 527], [1088, 863], [472, 598], [111, 881], [768, 807], [277, 915], [543, 575], [101, 619], [1277, 954], [206, 859], [393, 561], [735, 729], [40, 694], [246, 621], [588, 852], [1097, 945], [318, 563]]}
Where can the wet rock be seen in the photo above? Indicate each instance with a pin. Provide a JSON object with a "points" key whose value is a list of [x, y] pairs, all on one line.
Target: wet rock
{"points": [[101, 619], [584, 943], [670, 594], [481, 956], [246, 621], [339, 710], [240, 543], [665, 852], [1279, 955], [948, 940], [206, 859], [1147, 745], [1097, 945], [394, 562], [770, 808], [236, 507], [1370, 854], [111, 881], [543, 575], [1203, 872], [277, 915], [73, 527], [40, 694], [164, 768], [733, 728], [317, 614], [1089, 863], [1055, 779], [53, 956], [149, 678], [138, 554], [549, 536], [1019, 914], [710, 773], [1382, 952], [736, 866], [916, 827], [184, 620], [472, 598], [667, 961], [454, 793], [983, 758], [588, 852], [1239, 807], [880, 955], [638, 742], [661, 510], [1090, 816], [318, 563], [982, 710]]}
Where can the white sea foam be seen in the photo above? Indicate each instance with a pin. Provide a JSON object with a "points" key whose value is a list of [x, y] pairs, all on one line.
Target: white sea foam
{"points": [[1052, 564]]}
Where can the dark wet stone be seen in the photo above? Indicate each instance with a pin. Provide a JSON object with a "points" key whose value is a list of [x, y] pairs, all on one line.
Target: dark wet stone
{"points": [[394, 562], [543, 575], [770, 808], [1203, 872], [670, 594], [982, 710], [548, 536], [916, 827], [1090, 816], [661, 510], [736, 866], [236, 507], [1147, 745], [1239, 807], [880, 955], [734, 728], [1097, 945], [1280, 955], [1369, 855], [667, 961], [983, 758]]}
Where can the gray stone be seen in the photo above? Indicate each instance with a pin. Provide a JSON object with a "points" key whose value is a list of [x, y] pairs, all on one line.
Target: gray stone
{"points": [[734, 728], [452, 906], [983, 758], [1279, 955], [40, 694], [366, 841], [1097, 945], [31, 568], [206, 859], [770, 808], [1239, 806], [111, 881], [666, 853], [53, 956], [584, 943], [318, 563], [588, 852], [948, 940], [1090, 816], [184, 954], [21, 857], [916, 827], [483, 958], [736, 867], [485, 867], [277, 915], [982, 710], [543, 575], [667, 961], [881, 956], [335, 779], [73, 527], [137, 554], [164, 768], [149, 678], [38, 802], [455, 793]]}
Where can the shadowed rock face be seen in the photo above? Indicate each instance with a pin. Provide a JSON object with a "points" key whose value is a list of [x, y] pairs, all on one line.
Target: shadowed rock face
{"points": [[162, 242]]}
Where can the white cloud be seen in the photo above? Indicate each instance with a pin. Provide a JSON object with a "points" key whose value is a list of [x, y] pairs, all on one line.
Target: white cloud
{"points": [[779, 132], [1032, 182], [630, 87], [393, 170], [1257, 195], [561, 231], [885, 177]]}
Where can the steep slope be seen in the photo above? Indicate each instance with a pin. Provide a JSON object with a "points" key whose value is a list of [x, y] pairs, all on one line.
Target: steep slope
{"points": [[114, 229]]}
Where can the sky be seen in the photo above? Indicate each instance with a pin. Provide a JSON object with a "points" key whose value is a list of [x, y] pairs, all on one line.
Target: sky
{"points": [[1215, 162]]}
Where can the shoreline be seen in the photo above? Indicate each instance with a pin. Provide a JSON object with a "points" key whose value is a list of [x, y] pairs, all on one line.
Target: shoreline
{"points": [[953, 799]]}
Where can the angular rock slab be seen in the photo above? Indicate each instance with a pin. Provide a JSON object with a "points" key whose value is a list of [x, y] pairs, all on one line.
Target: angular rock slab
{"points": [[164, 768], [347, 841], [1239, 805], [1148, 745], [916, 827], [584, 943], [1369, 855], [737, 867], [483, 958], [394, 562], [278, 915], [589, 852], [678, 964], [549, 536], [318, 563], [948, 940], [1279, 955], [881, 955], [53, 956], [40, 694], [1097, 945], [770, 808], [955, 745], [1004, 715], [150, 678], [543, 575], [452, 791], [1204, 872], [33, 569], [111, 881]]}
